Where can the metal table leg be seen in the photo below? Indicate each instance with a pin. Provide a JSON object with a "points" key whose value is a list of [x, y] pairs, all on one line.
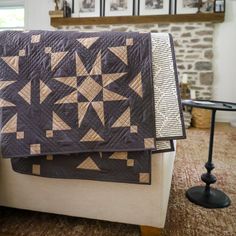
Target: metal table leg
{"points": [[205, 195]]}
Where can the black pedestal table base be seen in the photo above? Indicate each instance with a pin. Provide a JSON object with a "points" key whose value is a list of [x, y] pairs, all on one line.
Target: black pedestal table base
{"points": [[206, 196], [213, 198]]}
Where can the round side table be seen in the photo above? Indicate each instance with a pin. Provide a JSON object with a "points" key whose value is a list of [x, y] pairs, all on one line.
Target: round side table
{"points": [[207, 196]]}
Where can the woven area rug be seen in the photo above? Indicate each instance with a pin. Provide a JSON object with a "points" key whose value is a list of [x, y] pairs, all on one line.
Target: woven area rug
{"points": [[187, 219], [183, 218]]}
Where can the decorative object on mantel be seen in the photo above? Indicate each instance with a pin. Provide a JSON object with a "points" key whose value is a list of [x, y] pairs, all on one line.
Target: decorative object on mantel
{"points": [[199, 6], [154, 7], [205, 195], [71, 4], [87, 8], [207, 6], [194, 6], [219, 6], [66, 9], [56, 5], [186, 6], [118, 7], [56, 13]]}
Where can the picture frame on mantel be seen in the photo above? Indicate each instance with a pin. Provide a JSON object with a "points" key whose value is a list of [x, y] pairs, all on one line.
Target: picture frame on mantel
{"points": [[119, 7], [71, 4], [207, 6], [186, 6], [154, 7], [87, 8], [219, 6]]}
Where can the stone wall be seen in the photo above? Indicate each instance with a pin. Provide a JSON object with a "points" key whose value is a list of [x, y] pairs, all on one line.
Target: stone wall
{"points": [[193, 46]]}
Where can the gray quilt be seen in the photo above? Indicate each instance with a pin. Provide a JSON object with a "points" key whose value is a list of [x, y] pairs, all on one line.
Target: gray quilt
{"points": [[159, 89], [72, 92]]}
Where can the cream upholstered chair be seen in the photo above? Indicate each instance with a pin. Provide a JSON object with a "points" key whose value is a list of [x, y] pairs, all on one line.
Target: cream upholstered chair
{"points": [[144, 205], [118, 202]]}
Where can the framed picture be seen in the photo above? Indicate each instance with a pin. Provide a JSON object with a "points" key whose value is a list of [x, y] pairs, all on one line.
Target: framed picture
{"points": [[154, 7], [207, 6], [87, 8], [186, 6], [118, 7], [219, 6], [71, 4]]}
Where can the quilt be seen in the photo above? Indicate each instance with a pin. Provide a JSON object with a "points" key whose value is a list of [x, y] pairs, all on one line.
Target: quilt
{"points": [[164, 146], [71, 92], [125, 167], [168, 108]]}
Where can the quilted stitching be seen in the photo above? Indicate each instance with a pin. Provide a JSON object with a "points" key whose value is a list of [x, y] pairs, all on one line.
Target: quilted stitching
{"points": [[133, 167], [76, 92]]}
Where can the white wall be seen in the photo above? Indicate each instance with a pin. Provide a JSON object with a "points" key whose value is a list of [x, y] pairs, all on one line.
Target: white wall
{"points": [[37, 14], [225, 61], [225, 48]]}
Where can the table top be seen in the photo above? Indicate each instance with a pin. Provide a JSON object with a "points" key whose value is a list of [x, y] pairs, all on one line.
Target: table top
{"points": [[211, 105]]}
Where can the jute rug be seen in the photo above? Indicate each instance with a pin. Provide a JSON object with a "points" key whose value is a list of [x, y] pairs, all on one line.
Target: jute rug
{"points": [[183, 217], [187, 219]]}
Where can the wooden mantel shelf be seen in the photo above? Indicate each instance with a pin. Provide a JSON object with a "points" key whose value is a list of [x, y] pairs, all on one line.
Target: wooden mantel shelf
{"points": [[115, 20]]}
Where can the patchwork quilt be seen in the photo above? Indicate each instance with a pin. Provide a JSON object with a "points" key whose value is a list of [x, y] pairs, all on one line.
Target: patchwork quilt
{"points": [[88, 105], [168, 108], [70, 92], [164, 146], [126, 167]]}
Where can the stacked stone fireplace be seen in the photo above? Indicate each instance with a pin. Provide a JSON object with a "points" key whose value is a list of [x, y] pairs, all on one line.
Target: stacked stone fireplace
{"points": [[193, 47]]}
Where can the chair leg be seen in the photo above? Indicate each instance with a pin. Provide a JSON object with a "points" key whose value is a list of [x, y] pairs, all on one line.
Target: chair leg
{"points": [[150, 231]]}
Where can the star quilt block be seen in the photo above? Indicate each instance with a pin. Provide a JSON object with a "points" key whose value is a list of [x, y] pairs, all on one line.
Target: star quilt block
{"points": [[71, 92]]}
